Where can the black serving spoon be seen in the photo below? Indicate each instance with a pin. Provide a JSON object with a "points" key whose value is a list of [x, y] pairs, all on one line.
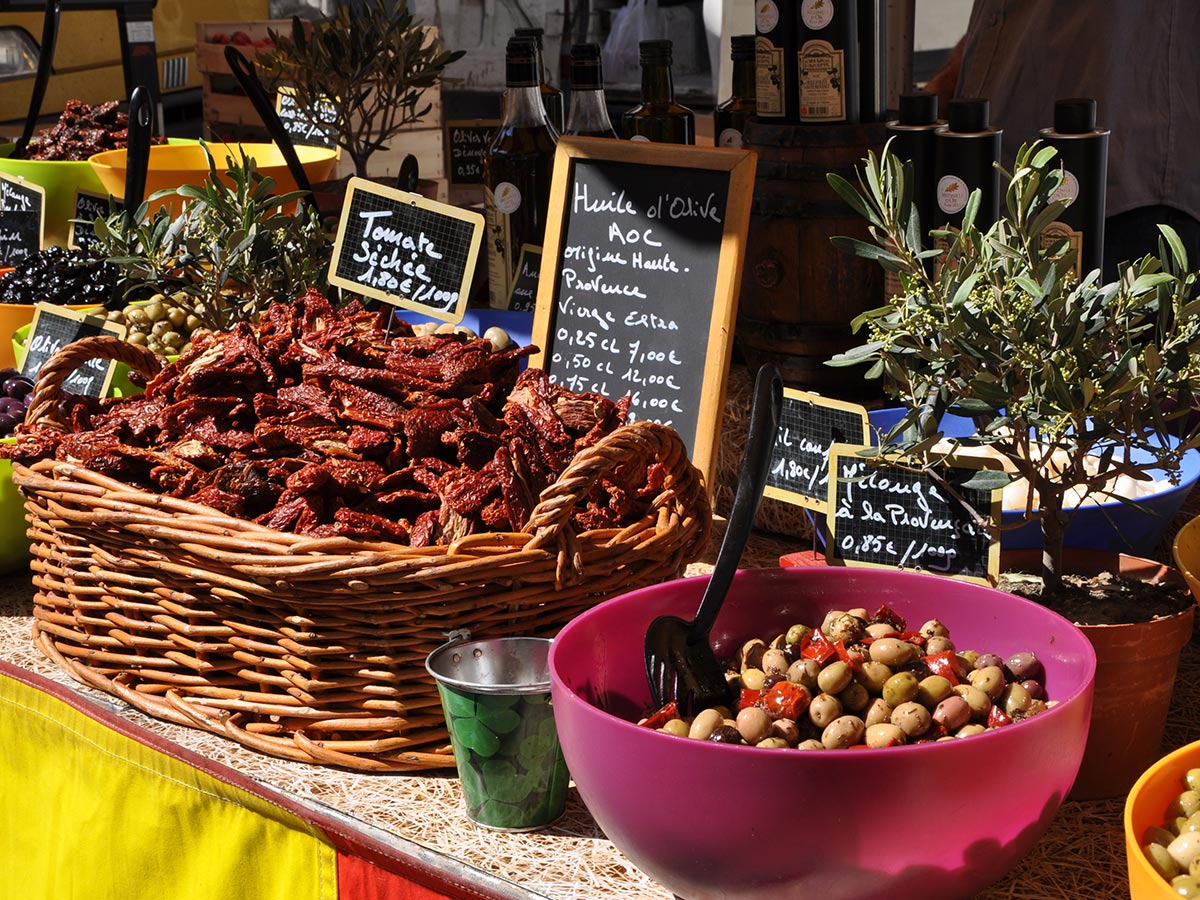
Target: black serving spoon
{"points": [[248, 78], [137, 150], [41, 78], [409, 174], [680, 663]]}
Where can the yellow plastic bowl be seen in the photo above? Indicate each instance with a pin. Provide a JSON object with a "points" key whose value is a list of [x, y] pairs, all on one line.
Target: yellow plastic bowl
{"points": [[1186, 550], [173, 166], [60, 179], [1147, 805]]}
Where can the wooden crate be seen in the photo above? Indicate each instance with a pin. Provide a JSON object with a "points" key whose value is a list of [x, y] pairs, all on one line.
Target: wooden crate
{"points": [[229, 115]]}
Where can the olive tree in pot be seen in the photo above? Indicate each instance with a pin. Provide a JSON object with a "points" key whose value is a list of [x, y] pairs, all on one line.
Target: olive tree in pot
{"points": [[1070, 382], [373, 61]]}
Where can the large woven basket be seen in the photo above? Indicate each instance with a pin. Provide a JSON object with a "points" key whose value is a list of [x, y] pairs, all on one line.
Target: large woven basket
{"points": [[314, 650]]}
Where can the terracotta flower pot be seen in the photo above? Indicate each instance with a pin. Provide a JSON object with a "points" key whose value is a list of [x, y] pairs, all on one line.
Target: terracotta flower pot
{"points": [[1135, 675]]}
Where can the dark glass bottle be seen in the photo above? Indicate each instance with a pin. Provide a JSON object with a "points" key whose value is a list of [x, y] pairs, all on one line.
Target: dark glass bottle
{"points": [[827, 32], [552, 97], [730, 117], [912, 139], [658, 117], [1083, 153], [588, 115], [517, 169], [967, 150], [776, 83]]}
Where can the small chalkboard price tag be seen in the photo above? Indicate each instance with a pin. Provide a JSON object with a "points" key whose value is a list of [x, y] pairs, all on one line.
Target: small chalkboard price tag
{"points": [[523, 296], [22, 219], [638, 289], [466, 144], [406, 250], [317, 128], [912, 517], [808, 426], [88, 208], [54, 327]]}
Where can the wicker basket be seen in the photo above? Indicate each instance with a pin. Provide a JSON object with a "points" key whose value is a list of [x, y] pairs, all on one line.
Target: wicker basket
{"points": [[314, 650]]}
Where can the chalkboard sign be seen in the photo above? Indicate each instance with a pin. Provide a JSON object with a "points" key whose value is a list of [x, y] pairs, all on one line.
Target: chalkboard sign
{"points": [[638, 289], [314, 128], [54, 327], [88, 208], [466, 144], [898, 517], [523, 295], [22, 219], [406, 250], [808, 426]]}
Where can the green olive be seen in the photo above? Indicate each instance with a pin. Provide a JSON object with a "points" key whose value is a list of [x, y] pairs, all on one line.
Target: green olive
{"points": [[136, 337], [873, 676], [1015, 699], [753, 679], [178, 317], [843, 732], [136, 315], [1161, 861], [705, 723], [1185, 804], [835, 677], [155, 310], [787, 730], [810, 744], [796, 634], [1185, 886], [172, 339], [879, 711], [773, 743], [805, 672], [884, 734], [160, 327], [934, 628], [970, 729], [192, 323], [912, 718], [854, 697], [980, 703], [677, 727], [900, 688], [775, 662], [1156, 834], [933, 689], [990, 680], [892, 652], [1192, 779], [823, 709], [753, 724]]}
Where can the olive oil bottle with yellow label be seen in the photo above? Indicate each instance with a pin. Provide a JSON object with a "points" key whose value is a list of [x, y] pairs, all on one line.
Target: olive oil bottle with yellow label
{"points": [[1083, 153], [827, 34]]}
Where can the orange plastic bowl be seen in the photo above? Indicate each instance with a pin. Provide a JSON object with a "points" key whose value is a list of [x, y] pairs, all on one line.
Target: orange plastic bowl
{"points": [[1147, 805], [173, 166]]}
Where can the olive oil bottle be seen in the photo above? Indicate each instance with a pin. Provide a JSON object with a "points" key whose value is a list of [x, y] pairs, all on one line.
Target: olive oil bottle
{"points": [[552, 97], [588, 114], [967, 150], [517, 169], [1083, 152], [658, 117], [776, 83], [731, 116], [827, 32]]}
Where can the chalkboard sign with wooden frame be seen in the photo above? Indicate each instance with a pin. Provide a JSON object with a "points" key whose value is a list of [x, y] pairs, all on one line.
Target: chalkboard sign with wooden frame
{"points": [[523, 296], [89, 207], [22, 219], [809, 425], [406, 250], [919, 514], [54, 327], [300, 128], [640, 272]]}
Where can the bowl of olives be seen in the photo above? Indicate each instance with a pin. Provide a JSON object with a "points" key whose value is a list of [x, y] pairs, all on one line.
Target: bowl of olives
{"points": [[938, 816], [1162, 828]]}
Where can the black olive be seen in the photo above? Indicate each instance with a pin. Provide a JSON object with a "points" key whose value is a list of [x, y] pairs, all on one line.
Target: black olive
{"points": [[725, 734]]}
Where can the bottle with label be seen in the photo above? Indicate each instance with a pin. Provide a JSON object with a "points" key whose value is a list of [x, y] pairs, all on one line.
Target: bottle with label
{"points": [[827, 34], [967, 150], [872, 60], [552, 97], [911, 138], [517, 169], [776, 83], [658, 117], [1083, 153], [588, 115], [730, 117]]}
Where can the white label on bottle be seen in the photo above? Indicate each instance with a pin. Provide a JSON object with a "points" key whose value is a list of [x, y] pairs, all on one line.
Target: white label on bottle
{"points": [[822, 82], [768, 78], [952, 193], [508, 197], [640, 137], [729, 137], [1068, 190], [816, 13], [766, 16]]}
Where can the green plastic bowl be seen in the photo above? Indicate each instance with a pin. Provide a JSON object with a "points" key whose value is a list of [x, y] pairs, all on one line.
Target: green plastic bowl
{"points": [[120, 386], [60, 179], [14, 545]]}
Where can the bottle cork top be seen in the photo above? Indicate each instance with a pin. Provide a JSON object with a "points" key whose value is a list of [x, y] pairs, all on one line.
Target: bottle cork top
{"points": [[918, 109], [1076, 115], [968, 115]]}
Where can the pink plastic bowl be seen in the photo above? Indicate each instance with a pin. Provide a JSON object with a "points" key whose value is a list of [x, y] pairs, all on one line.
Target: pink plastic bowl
{"points": [[714, 821]]}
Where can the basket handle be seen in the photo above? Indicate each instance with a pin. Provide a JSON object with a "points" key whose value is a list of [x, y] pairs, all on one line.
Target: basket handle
{"points": [[48, 391], [641, 442]]}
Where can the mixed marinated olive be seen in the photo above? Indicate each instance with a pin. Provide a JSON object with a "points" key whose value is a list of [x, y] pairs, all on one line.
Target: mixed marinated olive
{"points": [[864, 680], [15, 393], [160, 324], [1174, 849]]}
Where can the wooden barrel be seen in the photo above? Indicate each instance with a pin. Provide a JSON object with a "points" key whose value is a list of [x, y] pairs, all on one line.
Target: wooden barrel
{"points": [[800, 293]]}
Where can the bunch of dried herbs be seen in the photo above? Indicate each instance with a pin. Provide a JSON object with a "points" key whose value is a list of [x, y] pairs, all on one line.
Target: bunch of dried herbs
{"points": [[1056, 372]]}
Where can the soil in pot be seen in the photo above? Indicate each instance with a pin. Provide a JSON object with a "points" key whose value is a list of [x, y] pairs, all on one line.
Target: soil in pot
{"points": [[1104, 598]]}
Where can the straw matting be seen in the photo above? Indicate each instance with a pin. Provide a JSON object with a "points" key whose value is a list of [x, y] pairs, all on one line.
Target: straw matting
{"points": [[1081, 855]]}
